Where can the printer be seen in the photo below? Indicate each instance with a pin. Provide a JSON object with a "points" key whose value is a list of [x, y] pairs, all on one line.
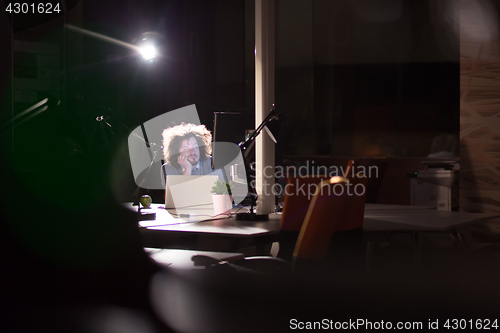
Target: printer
{"points": [[436, 185]]}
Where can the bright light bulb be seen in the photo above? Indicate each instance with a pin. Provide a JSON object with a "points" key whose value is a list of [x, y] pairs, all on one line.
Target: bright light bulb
{"points": [[148, 52]]}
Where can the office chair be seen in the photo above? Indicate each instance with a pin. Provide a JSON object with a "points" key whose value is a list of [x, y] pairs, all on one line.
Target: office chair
{"points": [[296, 203], [331, 232], [294, 212], [348, 168], [295, 209], [332, 228]]}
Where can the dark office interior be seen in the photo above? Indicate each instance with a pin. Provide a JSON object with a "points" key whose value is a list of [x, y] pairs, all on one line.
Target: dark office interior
{"points": [[389, 84]]}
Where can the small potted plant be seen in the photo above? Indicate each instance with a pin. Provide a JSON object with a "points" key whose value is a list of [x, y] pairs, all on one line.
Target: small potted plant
{"points": [[222, 197]]}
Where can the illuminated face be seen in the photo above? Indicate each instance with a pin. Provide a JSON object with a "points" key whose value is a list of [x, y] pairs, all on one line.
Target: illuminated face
{"points": [[190, 149]]}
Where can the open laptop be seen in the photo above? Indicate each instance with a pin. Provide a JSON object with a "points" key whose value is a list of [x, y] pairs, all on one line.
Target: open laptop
{"points": [[189, 192]]}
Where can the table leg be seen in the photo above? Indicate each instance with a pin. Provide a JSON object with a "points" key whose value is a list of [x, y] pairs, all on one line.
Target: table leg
{"points": [[263, 248], [369, 256], [418, 252]]}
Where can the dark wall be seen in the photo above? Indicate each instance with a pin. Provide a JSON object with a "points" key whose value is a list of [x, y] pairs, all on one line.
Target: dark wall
{"points": [[367, 78]]}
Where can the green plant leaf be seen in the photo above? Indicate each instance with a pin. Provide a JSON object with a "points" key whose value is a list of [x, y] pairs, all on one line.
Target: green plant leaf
{"points": [[222, 187]]}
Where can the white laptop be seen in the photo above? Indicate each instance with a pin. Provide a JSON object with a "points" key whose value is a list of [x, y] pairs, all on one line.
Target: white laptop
{"points": [[189, 192]]}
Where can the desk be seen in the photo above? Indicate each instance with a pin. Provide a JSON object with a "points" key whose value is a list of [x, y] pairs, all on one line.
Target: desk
{"points": [[230, 235], [385, 219], [182, 259], [217, 234], [392, 218]]}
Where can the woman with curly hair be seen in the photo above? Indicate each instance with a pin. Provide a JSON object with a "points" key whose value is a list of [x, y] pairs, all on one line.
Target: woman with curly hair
{"points": [[187, 149]]}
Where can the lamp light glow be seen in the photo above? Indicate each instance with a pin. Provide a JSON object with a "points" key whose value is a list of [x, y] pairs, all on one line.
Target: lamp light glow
{"points": [[147, 49], [338, 179], [148, 52]]}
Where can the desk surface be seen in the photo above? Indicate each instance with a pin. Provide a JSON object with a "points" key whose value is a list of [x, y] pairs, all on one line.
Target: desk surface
{"points": [[182, 259], [416, 218], [226, 226], [222, 226], [377, 217]]}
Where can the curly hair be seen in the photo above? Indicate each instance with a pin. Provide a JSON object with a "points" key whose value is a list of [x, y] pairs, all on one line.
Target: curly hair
{"points": [[173, 137]]}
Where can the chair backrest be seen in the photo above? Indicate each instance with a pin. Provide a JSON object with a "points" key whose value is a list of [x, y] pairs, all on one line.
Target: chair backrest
{"points": [[299, 192], [348, 168], [338, 205]]}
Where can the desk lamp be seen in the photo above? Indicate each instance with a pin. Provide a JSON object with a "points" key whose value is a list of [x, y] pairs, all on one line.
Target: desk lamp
{"points": [[245, 148]]}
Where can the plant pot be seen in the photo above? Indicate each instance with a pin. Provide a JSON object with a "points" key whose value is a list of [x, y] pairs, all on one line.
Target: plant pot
{"points": [[222, 203]]}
